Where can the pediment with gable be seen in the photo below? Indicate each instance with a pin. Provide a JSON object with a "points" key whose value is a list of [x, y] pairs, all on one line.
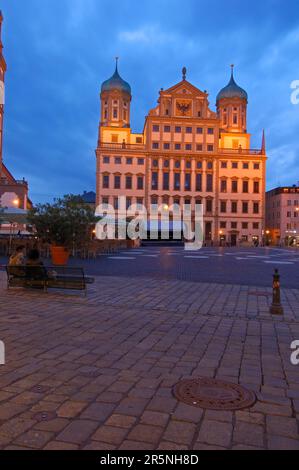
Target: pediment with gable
{"points": [[184, 88]]}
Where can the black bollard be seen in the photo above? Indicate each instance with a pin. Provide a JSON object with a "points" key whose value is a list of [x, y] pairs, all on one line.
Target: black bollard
{"points": [[276, 307]]}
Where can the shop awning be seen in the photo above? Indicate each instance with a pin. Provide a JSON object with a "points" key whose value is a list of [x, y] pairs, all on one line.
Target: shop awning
{"points": [[13, 216]]}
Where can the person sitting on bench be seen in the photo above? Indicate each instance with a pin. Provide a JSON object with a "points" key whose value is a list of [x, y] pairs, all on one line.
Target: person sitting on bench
{"points": [[34, 266], [17, 262]]}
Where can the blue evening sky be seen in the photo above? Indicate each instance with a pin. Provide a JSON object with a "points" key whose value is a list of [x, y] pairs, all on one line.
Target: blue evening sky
{"points": [[58, 53]]}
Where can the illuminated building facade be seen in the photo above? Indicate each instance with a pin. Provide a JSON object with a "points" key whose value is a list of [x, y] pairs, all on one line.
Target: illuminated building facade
{"points": [[187, 154], [282, 215]]}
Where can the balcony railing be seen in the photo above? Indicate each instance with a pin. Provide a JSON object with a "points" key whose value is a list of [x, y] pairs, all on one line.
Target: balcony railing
{"points": [[241, 151], [125, 146]]}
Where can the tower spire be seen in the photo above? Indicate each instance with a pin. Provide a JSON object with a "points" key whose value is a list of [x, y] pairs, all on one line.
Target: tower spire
{"points": [[232, 70], [116, 63], [263, 143]]}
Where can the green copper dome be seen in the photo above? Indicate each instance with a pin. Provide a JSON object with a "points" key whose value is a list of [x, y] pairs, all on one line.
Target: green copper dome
{"points": [[232, 90], [116, 83]]}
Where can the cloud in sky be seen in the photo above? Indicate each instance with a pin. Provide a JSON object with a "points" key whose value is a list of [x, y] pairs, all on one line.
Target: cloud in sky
{"points": [[59, 51]]}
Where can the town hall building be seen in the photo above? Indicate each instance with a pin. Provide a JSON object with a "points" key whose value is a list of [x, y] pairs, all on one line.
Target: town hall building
{"points": [[187, 154]]}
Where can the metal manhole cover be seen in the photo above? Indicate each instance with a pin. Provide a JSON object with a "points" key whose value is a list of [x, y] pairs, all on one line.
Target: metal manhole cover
{"points": [[213, 394], [40, 389], [45, 416]]}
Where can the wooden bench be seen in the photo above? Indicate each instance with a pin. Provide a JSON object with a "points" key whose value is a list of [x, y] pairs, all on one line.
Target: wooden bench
{"points": [[41, 277]]}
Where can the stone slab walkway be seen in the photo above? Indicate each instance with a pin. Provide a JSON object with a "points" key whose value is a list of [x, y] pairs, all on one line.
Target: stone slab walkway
{"points": [[98, 372]]}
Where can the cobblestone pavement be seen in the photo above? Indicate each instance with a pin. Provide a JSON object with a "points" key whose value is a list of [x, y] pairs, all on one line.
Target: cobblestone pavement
{"points": [[98, 372]]}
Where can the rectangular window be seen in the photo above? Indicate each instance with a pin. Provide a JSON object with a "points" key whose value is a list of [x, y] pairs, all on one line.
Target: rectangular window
{"points": [[166, 163], [210, 130], [198, 182], [154, 180], [188, 164], [255, 225], [166, 146], [234, 225], [210, 148], [115, 203], [188, 146], [244, 225], [139, 182], [223, 206], [178, 130], [223, 164], [256, 208], [138, 140], [105, 181], [166, 181], [156, 128], [209, 183], [245, 166], [155, 145], [223, 186], [117, 160], [210, 165], [199, 147], [155, 163], [188, 130], [177, 181], [245, 207], [256, 187], [166, 128], [235, 165], [106, 159], [140, 161], [256, 166], [128, 182], [105, 201], [188, 182], [199, 165], [115, 113], [222, 224], [245, 187], [129, 161], [234, 186], [177, 146], [209, 205], [234, 207], [116, 182], [128, 202], [199, 130]]}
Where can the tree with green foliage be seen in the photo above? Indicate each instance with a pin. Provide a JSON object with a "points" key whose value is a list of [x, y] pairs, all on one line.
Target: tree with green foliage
{"points": [[64, 222]]}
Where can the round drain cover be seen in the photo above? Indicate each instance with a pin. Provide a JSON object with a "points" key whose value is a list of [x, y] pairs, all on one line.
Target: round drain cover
{"points": [[45, 416], [213, 394]]}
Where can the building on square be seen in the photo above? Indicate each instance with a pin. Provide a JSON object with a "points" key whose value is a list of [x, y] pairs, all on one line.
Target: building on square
{"points": [[282, 216], [186, 154], [13, 192]]}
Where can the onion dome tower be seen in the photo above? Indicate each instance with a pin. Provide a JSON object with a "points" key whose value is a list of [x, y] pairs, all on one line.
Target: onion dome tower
{"points": [[116, 99], [231, 105]]}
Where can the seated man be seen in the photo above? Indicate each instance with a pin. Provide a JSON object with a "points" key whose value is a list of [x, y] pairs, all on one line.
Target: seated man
{"points": [[17, 262], [34, 266]]}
